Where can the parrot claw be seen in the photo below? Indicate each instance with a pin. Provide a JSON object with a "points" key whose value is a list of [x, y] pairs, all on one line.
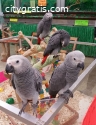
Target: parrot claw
{"points": [[23, 107], [35, 113], [20, 112], [34, 106], [66, 95], [55, 56]]}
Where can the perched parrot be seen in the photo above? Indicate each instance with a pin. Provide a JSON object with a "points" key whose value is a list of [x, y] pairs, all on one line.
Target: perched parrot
{"points": [[26, 80], [44, 26], [59, 39], [64, 76]]}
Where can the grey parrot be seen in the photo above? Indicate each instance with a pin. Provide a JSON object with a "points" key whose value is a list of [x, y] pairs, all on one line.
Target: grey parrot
{"points": [[26, 80], [44, 26], [66, 74], [59, 39]]}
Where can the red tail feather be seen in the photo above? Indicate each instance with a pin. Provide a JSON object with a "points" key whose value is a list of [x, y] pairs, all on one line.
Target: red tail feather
{"points": [[39, 41], [44, 59]]}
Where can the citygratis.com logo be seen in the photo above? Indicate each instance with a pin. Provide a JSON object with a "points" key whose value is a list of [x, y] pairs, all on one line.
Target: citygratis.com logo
{"points": [[25, 10]]}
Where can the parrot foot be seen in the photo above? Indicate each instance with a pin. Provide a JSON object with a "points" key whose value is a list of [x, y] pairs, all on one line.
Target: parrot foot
{"points": [[20, 112], [55, 56], [66, 95], [23, 107], [34, 107]]}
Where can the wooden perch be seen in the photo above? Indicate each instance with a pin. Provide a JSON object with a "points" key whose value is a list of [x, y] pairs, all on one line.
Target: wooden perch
{"points": [[21, 36], [50, 60]]}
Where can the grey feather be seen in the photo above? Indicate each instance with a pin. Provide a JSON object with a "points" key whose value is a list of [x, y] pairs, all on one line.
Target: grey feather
{"points": [[44, 25], [12, 81], [55, 51], [40, 27], [38, 85], [55, 41], [66, 73], [26, 80]]}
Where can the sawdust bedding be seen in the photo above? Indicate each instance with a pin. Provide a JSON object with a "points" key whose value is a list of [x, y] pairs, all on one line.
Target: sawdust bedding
{"points": [[64, 113]]}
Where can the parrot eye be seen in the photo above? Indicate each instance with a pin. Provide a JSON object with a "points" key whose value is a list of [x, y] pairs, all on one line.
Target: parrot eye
{"points": [[17, 61], [74, 59]]}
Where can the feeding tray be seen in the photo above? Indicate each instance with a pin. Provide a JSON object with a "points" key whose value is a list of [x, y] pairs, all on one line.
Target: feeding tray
{"points": [[73, 118], [66, 116]]}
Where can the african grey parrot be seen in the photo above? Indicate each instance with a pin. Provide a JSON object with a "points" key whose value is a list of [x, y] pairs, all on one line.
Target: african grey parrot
{"points": [[26, 80], [59, 39], [44, 26], [66, 74]]}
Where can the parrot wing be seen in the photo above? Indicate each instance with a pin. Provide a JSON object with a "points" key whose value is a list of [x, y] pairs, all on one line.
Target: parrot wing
{"points": [[38, 83], [12, 81], [53, 44], [40, 27], [55, 51]]}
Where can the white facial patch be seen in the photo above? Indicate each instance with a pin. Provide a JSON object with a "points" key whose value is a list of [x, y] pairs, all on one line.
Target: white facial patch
{"points": [[49, 15], [62, 43], [9, 61]]}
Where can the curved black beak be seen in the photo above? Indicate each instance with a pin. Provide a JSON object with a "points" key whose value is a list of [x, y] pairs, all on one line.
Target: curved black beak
{"points": [[9, 69], [81, 65]]}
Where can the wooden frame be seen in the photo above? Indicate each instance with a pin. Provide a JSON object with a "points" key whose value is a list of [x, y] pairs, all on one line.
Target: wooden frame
{"points": [[74, 39], [34, 34], [6, 44]]}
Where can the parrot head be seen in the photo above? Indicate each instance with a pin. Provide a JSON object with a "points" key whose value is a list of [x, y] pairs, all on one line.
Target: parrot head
{"points": [[75, 59], [65, 38], [17, 64], [48, 16]]}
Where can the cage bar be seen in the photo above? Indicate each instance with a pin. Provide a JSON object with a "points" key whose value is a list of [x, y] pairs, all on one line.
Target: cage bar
{"points": [[78, 42]]}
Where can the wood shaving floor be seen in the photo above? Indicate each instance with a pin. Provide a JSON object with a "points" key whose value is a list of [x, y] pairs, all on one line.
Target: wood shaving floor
{"points": [[80, 103]]}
